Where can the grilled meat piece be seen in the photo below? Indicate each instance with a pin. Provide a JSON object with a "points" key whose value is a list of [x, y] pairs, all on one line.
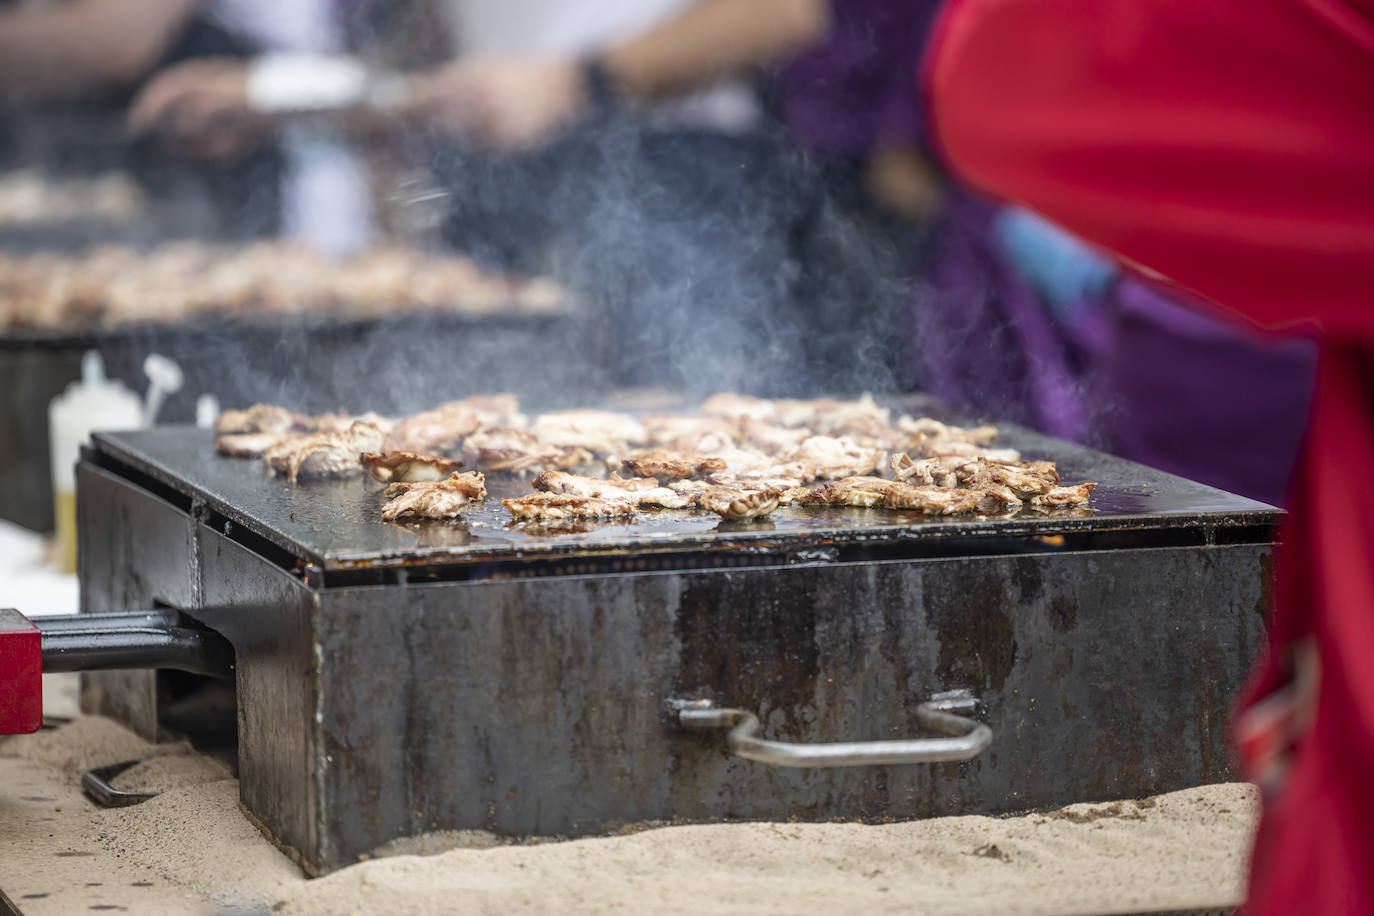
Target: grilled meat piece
{"points": [[1023, 478], [496, 409], [774, 440], [408, 467], [792, 412], [742, 460], [734, 503], [324, 454], [689, 432], [931, 472], [859, 418], [951, 448], [775, 477], [938, 500], [733, 406], [260, 418], [878, 493], [938, 440], [859, 492], [601, 432], [439, 431], [507, 449], [666, 465], [1064, 496], [927, 429], [825, 416], [247, 445], [553, 506], [660, 498], [340, 422], [827, 457], [563, 482], [757, 481], [435, 499], [644, 491]]}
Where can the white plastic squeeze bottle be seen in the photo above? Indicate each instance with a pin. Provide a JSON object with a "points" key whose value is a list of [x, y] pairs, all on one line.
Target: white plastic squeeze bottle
{"points": [[94, 403]]}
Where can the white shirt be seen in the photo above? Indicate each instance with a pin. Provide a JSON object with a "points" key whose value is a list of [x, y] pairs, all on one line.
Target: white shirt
{"points": [[326, 193], [580, 27]]}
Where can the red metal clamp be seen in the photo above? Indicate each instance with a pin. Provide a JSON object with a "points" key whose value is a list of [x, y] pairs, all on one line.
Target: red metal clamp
{"points": [[162, 638], [21, 674]]}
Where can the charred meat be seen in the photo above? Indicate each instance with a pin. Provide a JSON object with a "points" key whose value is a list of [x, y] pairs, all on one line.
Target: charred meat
{"points": [[408, 467], [557, 506], [340, 422], [926, 429], [666, 465], [324, 454], [828, 457], [260, 418], [689, 432], [1064, 496], [773, 440], [601, 432], [931, 472], [435, 499], [438, 431], [511, 450], [733, 406], [880, 493], [1025, 479], [247, 445], [643, 491], [737, 504]]}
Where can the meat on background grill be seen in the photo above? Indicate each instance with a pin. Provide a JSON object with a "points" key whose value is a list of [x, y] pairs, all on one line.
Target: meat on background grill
{"points": [[110, 285]]}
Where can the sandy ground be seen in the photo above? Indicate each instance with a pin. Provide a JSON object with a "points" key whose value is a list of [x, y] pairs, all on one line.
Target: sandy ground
{"points": [[191, 850]]}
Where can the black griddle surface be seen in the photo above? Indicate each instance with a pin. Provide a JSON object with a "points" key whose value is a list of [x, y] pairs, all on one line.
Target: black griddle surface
{"points": [[338, 524]]}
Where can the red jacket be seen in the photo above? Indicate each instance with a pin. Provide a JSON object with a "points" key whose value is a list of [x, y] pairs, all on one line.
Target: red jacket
{"points": [[1228, 145]]}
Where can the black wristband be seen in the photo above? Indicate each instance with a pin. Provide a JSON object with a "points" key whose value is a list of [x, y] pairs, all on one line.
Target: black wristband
{"points": [[598, 84]]}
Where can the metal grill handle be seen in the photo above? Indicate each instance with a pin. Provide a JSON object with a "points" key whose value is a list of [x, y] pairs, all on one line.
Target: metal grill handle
{"points": [[945, 713]]}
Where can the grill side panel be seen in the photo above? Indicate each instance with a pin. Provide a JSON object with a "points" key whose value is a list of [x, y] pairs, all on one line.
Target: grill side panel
{"points": [[269, 615], [532, 706], [134, 550], [138, 550]]}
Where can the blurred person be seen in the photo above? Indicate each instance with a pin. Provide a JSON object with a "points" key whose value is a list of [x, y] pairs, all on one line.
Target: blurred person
{"points": [[618, 144], [68, 70], [326, 194], [1227, 147], [211, 83], [304, 60], [528, 68], [83, 49], [623, 145]]}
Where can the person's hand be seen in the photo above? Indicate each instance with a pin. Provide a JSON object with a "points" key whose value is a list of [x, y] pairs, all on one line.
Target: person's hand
{"points": [[903, 181], [503, 103], [200, 108]]}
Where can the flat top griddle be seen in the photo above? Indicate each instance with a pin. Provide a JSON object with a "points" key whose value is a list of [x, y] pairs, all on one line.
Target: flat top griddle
{"points": [[337, 525]]}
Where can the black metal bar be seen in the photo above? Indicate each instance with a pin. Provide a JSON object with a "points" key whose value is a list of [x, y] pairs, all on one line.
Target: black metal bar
{"points": [[68, 623], [193, 649]]}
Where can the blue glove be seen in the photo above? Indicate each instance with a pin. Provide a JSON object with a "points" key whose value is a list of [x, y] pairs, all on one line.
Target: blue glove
{"points": [[1067, 273]]}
